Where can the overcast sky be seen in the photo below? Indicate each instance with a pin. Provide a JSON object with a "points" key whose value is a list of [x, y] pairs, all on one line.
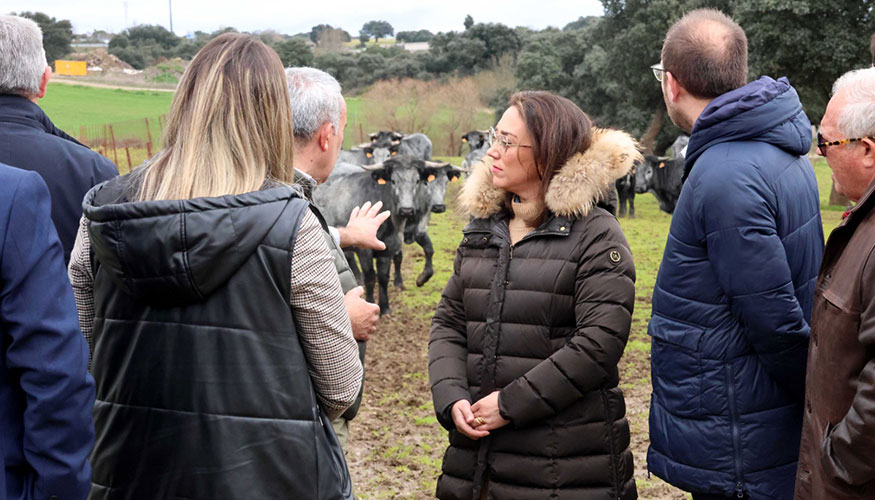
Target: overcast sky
{"points": [[297, 16]]}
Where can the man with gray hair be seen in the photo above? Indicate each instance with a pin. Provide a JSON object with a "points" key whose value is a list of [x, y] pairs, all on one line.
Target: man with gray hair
{"points": [[319, 115], [30, 141], [837, 456]]}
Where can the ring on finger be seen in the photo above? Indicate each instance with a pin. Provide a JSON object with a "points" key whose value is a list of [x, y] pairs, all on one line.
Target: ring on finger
{"points": [[479, 421]]}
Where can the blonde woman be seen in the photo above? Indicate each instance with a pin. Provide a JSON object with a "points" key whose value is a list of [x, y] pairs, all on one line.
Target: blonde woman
{"points": [[221, 345]]}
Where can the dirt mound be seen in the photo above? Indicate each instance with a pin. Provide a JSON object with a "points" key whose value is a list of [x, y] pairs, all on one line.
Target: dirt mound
{"points": [[100, 58]]}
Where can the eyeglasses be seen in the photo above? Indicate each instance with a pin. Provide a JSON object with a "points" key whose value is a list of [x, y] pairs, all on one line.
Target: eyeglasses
{"points": [[503, 142], [658, 70], [821, 145]]}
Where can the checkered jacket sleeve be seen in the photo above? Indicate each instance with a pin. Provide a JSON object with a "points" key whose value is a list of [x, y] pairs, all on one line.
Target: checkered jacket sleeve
{"points": [[317, 303]]}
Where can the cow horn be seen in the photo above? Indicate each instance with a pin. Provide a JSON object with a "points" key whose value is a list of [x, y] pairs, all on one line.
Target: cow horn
{"points": [[376, 166], [437, 164]]}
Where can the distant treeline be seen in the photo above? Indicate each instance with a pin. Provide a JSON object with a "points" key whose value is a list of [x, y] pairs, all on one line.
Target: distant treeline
{"points": [[601, 63]]}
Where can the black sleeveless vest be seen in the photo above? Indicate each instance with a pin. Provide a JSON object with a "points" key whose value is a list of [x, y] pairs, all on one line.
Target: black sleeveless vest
{"points": [[203, 390]]}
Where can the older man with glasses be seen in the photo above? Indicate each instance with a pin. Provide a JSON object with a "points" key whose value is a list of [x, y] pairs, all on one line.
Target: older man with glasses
{"points": [[837, 456], [733, 295]]}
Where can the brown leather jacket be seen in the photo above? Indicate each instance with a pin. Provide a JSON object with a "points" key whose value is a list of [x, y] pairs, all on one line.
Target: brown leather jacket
{"points": [[837, 454]]}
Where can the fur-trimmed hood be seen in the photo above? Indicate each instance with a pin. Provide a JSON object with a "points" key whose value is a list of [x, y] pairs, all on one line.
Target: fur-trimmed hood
{"points": [[575, 188]]}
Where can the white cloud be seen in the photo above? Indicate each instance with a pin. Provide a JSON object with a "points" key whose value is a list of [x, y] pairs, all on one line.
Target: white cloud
{"points": [[295, 16]]}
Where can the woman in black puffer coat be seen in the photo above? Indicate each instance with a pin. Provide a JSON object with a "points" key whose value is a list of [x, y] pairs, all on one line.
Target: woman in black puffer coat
{"points": [[532, 324]]}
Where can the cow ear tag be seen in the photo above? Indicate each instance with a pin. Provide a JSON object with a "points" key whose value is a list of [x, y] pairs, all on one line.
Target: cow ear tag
{"points": [[614, 256], [368, 155], [454, 178], [662, 164], [431, 177], [381, 181], [464, 139], [394, 153]]}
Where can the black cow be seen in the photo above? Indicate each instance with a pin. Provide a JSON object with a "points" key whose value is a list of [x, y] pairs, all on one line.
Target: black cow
{"points": [[626, 193], [398, 182], [663, 177], [478, 141], [437, 176], [416, 145]]}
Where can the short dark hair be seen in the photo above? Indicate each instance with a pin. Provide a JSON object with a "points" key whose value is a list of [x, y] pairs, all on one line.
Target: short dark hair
{"points": [[559, 130], [706, 52], [872, 48]]}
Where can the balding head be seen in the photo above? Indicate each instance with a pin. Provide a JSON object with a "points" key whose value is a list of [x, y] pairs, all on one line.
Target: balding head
{"points": [[706, 52]]}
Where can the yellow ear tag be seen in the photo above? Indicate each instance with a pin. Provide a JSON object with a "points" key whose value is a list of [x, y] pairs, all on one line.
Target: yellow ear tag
{"points": [[394, 153], [454, 178], [464, 139], [368, 155], [381, 181], [662, 164], [430, 177]]}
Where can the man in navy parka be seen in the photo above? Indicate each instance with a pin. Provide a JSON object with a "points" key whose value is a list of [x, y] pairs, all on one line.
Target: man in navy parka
{"points": [[732, 301]]}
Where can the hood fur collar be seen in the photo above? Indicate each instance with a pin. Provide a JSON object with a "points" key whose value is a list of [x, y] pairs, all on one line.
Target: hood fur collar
{"points": [[575, 188]]}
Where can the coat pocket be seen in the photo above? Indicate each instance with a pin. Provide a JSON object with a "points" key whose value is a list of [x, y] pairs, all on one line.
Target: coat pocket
{"points": [[676, 365]]}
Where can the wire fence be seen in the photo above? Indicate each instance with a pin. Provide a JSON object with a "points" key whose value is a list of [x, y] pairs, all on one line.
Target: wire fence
{"points": [[127, 143]]}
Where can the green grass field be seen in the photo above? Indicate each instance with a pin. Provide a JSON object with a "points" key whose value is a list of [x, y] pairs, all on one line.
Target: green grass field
{"points": [[71, 106]]}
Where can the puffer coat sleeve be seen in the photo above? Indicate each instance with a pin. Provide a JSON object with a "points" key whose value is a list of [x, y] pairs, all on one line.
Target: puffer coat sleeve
{"points": [[604, 299], [448, 368]]}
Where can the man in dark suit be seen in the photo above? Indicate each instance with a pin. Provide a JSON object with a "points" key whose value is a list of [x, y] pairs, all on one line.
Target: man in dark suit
{"points": [[46, 393], [30, 141]]}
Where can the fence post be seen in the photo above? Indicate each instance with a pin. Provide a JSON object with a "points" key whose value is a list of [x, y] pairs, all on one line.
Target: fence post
{"points": [[148, 132], [114, 150], [127, 152], [452, 144], [149, 150], [361, 134]]}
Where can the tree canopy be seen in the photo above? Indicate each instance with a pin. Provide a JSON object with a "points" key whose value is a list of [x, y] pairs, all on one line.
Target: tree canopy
{"points": [[57, 34], [377, 29]]}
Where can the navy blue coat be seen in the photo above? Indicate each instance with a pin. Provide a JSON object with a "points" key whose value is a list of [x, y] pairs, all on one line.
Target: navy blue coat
{"points": [[732, 301], [30, 141], [46, 393]]}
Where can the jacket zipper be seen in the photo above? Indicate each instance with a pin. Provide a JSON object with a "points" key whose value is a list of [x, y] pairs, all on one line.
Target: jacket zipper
{"points": [[739, 485]]}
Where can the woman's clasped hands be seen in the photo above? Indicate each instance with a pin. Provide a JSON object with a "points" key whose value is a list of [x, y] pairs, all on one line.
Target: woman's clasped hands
{"points": [[475, 421]]}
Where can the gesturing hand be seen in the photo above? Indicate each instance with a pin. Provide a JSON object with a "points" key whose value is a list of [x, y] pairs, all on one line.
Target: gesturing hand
{"points": [[486, 413], [361, 230], [463, 418]]}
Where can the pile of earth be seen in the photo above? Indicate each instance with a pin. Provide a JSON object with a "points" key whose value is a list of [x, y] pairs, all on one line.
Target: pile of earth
{"points": [[101, 60]]}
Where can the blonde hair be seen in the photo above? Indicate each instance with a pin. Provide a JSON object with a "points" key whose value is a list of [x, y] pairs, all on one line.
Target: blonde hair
{"points": [[229, 127]]}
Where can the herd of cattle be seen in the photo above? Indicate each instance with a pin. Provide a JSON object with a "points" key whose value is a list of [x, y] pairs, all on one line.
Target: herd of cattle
{"points": [[396, 168]]}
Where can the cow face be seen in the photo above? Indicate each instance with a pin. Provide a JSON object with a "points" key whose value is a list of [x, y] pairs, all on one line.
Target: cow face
{"points": [[377, 154], [404, 179], [386, 138], [476, 139], [436, 176], [644, 172]]}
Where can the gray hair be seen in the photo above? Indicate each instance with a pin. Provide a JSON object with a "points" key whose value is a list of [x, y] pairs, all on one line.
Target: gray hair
{"points": [[316, 100], [22, 58], [857, 118]]}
